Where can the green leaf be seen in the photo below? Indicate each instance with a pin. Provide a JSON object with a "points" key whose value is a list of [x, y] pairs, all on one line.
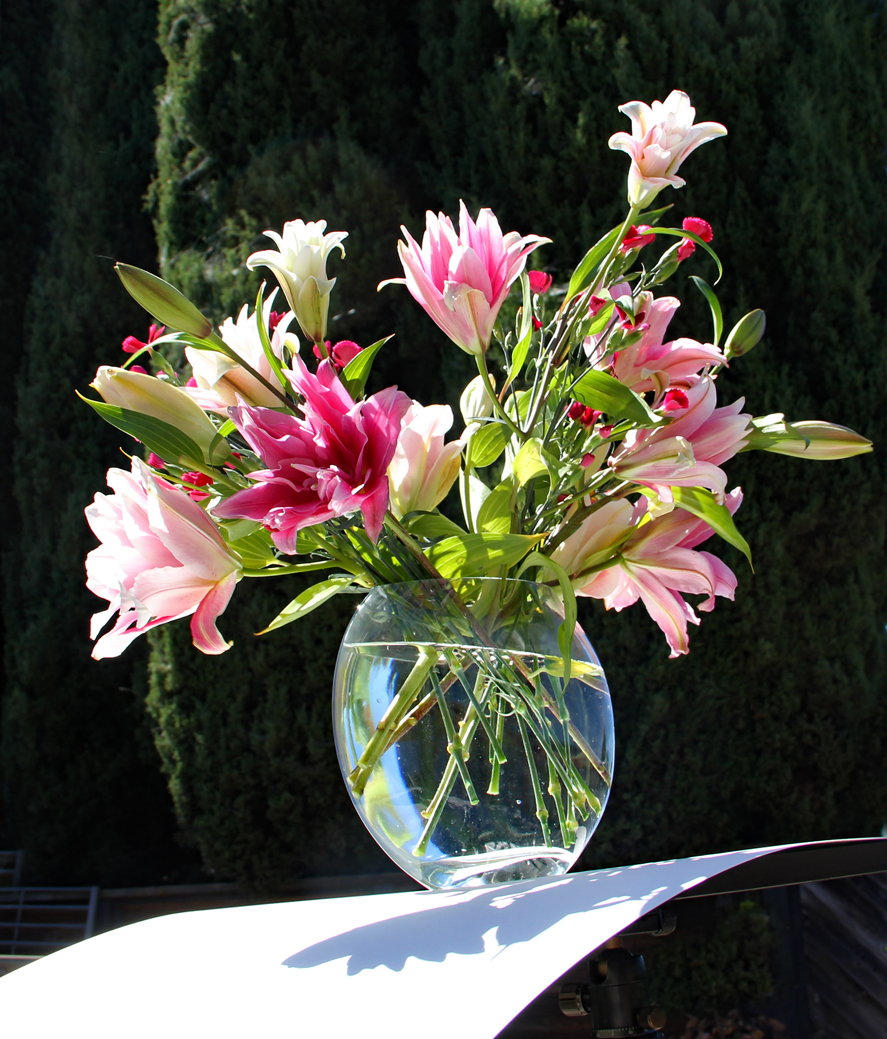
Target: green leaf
{"points": [[227, 427], [675, 233], [528, 462], [567, 627], [716, 315], [160, 437], [495, 515], [487, 444], [590, 262], [356, 372], [234, 530], [701, 502], [599, 322], [476, 555], [431, 525], [270, 356], [602, 392], [255, 549], [309, 600]]}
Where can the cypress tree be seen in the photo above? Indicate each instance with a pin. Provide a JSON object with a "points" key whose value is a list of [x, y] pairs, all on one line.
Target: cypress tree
{"points": [[83, 793]]}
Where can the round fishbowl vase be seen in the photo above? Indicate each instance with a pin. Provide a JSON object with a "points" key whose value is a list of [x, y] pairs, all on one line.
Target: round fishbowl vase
{"points": [[468, 756]]}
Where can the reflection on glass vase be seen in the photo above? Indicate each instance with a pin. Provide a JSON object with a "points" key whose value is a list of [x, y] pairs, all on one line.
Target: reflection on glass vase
{"points": [[469, 758]]}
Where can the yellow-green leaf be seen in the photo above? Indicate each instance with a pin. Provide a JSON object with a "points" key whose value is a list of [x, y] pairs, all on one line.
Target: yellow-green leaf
{"points": [[476, 555], [309, 600]]}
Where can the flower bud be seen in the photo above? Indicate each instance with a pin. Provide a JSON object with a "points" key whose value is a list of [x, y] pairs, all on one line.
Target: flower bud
{"points": [[162, 301], [474, 402], [149, 396], [746, 334], [827, 442]]}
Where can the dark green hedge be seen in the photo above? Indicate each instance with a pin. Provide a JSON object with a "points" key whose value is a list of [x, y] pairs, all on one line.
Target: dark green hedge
{"points": [[81, 789]]}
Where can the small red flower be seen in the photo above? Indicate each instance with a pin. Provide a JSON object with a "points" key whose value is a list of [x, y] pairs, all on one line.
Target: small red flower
{"points": [[537, 324], [696, 225], [637, 238], [540, 282], [595, 304], [155, 461], [197, 479], [585, 416], [340, 354], [137, 368], [274, 319], [132, 345], [675, 400]]}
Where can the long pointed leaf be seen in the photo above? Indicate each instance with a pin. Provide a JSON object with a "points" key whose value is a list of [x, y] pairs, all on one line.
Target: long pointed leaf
{"points": [[590, 262], [357, 371], [309, 600], [716, 315], [701, 502]]}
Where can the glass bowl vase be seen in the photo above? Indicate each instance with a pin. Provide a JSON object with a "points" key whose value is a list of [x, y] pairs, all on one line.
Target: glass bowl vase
{"points": [[467, 755]]}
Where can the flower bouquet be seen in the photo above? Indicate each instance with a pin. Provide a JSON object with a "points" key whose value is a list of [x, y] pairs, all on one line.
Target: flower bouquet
{"points": [[472, 716]]}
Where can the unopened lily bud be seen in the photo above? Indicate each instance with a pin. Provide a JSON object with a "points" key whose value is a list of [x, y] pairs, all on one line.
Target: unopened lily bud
{"points": [[746, 334], [474, 402], [668, 264], [162, 301], [149, 396], [827, 442]]}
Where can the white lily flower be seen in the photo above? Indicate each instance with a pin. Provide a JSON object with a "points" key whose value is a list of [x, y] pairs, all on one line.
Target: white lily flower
{"points": [[299, 264]]}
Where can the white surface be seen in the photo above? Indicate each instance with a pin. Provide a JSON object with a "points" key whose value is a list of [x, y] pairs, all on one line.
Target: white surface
{"points": [[434, 965]]}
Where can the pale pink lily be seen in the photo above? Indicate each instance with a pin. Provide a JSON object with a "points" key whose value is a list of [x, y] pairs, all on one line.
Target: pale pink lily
{"points": [[330, 463], [462, 280], [596, 541], [661, 138], [221, 380], [161, 558], [424, 467], [688, 451], [657, 564]]}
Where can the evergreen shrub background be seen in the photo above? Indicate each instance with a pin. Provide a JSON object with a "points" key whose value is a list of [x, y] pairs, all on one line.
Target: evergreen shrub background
{"points": [[772, 729]]}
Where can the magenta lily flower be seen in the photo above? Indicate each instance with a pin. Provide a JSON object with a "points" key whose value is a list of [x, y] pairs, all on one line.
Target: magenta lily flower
{"points": [[462, 280], [161, 558], [330, 463]]}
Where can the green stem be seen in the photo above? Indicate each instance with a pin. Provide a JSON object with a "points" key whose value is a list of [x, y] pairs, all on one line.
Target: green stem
{"points": [[541, 810], [454, 747], [491, 393], [377, 743], [496, 764]]}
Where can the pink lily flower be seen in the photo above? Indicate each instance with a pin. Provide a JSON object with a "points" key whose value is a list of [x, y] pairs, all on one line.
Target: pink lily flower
{"points": [[661, 138], [423, 468], [689, 451], [330, 463], [657, 564], [161, 558], [651, 363], [462, 280]]}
